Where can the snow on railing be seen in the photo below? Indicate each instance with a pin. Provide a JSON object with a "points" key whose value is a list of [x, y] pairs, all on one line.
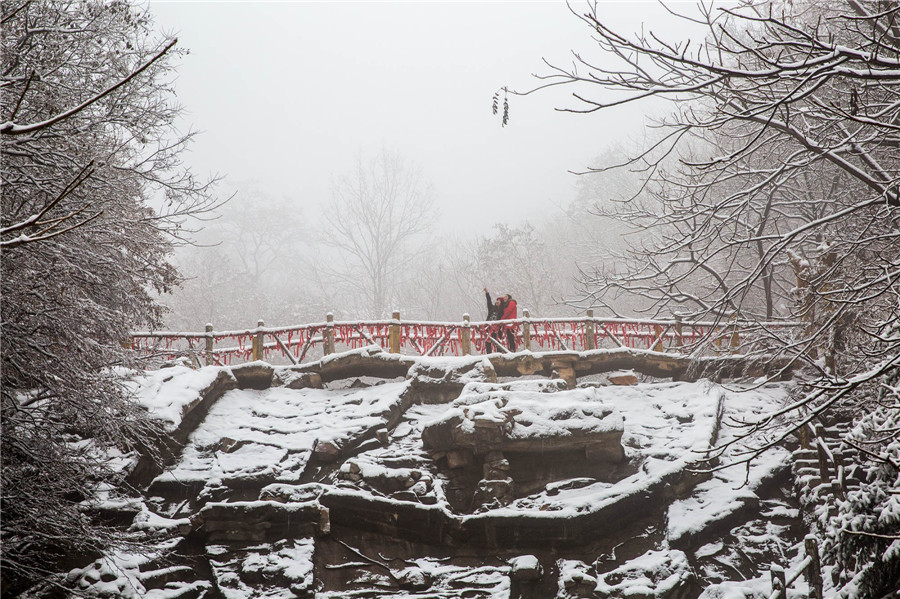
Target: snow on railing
{"points": [[808, 566], [427, 338]]}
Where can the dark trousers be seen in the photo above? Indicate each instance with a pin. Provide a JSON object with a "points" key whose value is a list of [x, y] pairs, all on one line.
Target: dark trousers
{"points": [[491, 344], [510, 340]]}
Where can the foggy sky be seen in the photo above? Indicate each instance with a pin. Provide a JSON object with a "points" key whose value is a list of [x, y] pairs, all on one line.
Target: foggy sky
{"points": [[287, 94]]}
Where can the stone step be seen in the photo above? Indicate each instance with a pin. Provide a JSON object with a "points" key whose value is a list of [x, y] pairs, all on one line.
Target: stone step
{"points": [[157, 579], [805, 454], [195, 590], [805, 471], [837, 429], [824, 491], [809, 482], [816, 495], [810, 457], [851, 457], [855, 471]]}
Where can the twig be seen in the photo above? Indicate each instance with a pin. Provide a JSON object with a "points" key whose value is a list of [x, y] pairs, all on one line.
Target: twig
{"points": [[369, 559]]}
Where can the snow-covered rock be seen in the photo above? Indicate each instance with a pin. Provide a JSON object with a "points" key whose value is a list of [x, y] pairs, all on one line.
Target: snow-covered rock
{"points": [[527, 421]]}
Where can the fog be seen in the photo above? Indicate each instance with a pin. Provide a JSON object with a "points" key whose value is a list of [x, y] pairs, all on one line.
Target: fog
{"points": [[292, 97]]}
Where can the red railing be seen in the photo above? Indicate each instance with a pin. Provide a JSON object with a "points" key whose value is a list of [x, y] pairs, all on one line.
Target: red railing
{"points": [[299, 342]]}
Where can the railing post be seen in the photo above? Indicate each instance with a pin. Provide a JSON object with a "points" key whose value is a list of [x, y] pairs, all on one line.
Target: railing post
{"points": [[839, 485], [814, 571], [258, 339], [823, 459], [657, 334], [466, 335], [395, 332], [526, 330], [779, 582], [679, 341], [210, 358], [590, 340], [804, 437], [328, 345]]}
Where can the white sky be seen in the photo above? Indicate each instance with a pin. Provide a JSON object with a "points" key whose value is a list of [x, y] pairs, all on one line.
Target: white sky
{"points": [[288, 93]]}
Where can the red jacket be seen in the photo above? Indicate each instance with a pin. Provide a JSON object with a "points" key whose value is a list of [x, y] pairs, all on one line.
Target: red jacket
{"points": [[510, 312]]}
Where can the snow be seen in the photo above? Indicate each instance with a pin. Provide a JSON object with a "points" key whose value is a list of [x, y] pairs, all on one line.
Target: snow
{"points": [[572, 573], [754, 588], [450, 362], [271, 434], [168, 392], [459, 370], [654, 574], [120, 574], [294, 562], [286, 567], [892, 551], [151, 522], [709, 549], [524, 562], [733, 488], [534, 415], [652, 431], [493, 581]]}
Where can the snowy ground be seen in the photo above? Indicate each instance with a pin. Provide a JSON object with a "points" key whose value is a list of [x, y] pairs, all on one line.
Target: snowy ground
{"points": [[253, 440]]}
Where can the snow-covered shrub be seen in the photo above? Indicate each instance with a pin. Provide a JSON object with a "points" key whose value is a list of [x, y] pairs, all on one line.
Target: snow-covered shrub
{"points": [[862, 536]]}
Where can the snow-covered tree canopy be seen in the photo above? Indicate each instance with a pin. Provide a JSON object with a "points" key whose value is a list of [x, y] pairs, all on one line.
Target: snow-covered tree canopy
{"points": [[789, 116], [94, 194], [776, 187], [776, 181]]}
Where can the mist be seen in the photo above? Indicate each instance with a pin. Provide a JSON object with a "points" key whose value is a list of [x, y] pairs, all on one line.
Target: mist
{"points": [[295, 100]]}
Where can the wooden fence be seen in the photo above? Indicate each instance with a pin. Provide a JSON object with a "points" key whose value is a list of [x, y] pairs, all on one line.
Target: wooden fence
{"points": [[809, 567], [298, 342]]}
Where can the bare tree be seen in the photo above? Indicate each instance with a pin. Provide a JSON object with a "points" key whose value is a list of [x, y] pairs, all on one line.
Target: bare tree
{"points": [[776, 188], [250, 263], [376, 215], [94, 194], [522, 261], [791, 179]]}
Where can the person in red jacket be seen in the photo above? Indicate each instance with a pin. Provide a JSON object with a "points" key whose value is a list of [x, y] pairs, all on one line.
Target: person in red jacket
{"points": [[510, 312], [495, 312]]}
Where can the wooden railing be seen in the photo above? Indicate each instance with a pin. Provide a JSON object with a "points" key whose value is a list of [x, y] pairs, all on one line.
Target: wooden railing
{"points": [[296, 343], [831, 462], [809, 567]]}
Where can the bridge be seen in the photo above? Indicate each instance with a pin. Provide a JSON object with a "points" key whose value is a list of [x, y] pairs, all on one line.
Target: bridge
{"points": [[298, 344]]}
